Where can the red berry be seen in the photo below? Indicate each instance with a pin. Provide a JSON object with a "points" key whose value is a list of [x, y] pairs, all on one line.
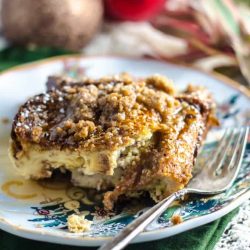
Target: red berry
{"points": [[133, 10]]}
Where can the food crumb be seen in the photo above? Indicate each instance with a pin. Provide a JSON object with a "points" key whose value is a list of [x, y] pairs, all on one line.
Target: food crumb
{"points": [[176, 219], [78, 223], [5, 120]]}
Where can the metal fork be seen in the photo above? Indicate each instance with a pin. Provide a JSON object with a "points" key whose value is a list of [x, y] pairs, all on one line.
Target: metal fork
{"points": [[216, 176]]}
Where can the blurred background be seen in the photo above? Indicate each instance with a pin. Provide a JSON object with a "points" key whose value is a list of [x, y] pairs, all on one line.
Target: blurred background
{"points": [[213, 35]]}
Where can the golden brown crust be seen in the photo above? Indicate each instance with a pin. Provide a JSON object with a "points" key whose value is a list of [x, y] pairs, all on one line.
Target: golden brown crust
{"points": [[93, 115], [168, 166]]}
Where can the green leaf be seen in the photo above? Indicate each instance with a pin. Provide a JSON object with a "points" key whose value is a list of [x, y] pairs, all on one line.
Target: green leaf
{"points": [[12, 56]]}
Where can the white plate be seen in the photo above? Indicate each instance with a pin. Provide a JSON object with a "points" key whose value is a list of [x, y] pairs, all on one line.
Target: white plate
{"points": [[39, 211]]}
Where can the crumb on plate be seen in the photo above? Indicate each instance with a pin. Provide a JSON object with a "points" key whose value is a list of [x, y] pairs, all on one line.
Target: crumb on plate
{"points": [[78, 223], [5, 120], [176, 219]]}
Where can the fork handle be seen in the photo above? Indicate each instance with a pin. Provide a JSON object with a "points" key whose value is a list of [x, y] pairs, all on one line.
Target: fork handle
{"points": [[139, 224]]}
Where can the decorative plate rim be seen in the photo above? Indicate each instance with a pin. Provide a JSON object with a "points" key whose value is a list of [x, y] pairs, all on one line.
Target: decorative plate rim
{"points": [[224, 79], [145, 236]]}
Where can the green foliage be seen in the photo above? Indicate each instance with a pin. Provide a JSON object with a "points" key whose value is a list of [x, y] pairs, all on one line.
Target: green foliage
{"points": [[17, 55]]}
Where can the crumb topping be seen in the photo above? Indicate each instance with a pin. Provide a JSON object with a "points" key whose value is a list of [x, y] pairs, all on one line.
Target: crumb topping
{"points": [[160, 82], [109, 112]]}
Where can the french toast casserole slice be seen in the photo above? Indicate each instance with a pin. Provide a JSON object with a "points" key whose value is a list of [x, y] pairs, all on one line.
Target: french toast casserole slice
{"points": [[120, 134]]}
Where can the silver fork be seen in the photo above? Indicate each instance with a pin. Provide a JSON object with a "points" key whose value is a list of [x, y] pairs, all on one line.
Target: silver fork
{"points": [[215, 177]]}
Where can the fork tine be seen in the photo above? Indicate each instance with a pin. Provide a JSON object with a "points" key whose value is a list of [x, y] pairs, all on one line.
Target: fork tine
{"points": [[239, 153], [239, 145], [227, 136], [235, 135]]}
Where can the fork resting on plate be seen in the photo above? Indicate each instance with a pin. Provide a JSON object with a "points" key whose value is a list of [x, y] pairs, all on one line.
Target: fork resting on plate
{"points": [[216, 176]]}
